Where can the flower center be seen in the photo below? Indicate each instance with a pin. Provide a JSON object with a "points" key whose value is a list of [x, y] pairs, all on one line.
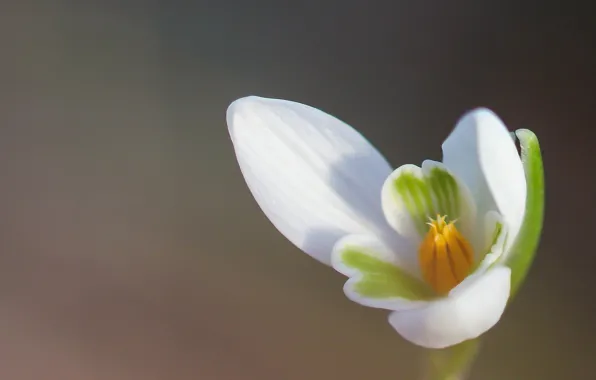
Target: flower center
{"points": [[445, 256]]}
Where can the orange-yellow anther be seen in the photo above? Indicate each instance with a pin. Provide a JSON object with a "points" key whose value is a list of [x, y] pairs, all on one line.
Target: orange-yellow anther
{"points": [[445, 256]]}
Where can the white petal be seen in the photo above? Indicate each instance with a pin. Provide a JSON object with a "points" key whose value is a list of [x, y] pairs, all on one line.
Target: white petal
{"points": [[470, 309], [481, 152], [314, 177]]}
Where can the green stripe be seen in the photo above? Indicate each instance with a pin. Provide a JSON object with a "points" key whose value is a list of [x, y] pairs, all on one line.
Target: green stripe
{"points": [[381, 279], [443, 183], [418, 193]]}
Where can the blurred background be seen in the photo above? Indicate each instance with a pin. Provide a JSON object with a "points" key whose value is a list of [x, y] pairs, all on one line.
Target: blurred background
{"points": [[131, 248]]}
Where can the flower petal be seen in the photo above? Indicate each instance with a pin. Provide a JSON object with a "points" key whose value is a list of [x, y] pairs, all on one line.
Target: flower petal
{"points": [[314, 177], [519, 258], [481, 152], [378, 277], [471, 309], [411, 195]]}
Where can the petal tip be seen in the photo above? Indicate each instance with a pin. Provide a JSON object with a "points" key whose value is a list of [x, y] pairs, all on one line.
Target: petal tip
{"points": [[241, 106], [525, 134], [480, 115]]}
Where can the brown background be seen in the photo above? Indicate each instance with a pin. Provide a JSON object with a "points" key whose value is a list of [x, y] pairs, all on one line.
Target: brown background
{"points": [[130, 247]]}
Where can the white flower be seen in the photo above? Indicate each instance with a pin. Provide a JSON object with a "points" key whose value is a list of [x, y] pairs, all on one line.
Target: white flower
{"points": [[428, 243]]}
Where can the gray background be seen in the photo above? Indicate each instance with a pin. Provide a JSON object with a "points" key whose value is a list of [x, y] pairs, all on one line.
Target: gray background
{"points": [[130, 247]]}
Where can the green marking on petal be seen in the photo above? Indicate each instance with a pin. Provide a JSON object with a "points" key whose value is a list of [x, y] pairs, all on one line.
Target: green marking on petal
{"points": [[445, 188], [415, 194], [424, 197], [381, 279], [524, 248]]}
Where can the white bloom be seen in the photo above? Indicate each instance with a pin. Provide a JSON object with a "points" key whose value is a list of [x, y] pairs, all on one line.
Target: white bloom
{"points": [[427, 243]]}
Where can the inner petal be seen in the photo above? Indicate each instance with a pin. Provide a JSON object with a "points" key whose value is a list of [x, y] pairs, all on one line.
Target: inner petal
{"points": [[411, 195], [376, 276], [446, 258]]}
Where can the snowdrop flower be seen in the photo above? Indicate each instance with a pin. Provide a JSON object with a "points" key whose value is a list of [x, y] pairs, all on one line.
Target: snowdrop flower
{"points": [[441, 245]]}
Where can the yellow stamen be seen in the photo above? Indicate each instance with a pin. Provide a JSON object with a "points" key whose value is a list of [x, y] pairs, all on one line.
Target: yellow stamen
{"points": [[445, 256]]}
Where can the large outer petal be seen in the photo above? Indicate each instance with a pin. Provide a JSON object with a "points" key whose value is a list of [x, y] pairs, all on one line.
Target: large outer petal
{"points": [[314, 177], [471, 309], [482, 153]]}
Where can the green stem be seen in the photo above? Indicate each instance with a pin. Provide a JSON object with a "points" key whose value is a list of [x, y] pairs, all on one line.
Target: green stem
{"points": [[452, 363]]}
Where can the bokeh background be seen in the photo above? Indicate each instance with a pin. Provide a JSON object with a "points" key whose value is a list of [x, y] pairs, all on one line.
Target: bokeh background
{"points": [[130, 247]]}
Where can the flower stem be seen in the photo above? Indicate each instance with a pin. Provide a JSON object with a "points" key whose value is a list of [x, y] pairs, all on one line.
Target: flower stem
{"points": [[452, 363]]}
